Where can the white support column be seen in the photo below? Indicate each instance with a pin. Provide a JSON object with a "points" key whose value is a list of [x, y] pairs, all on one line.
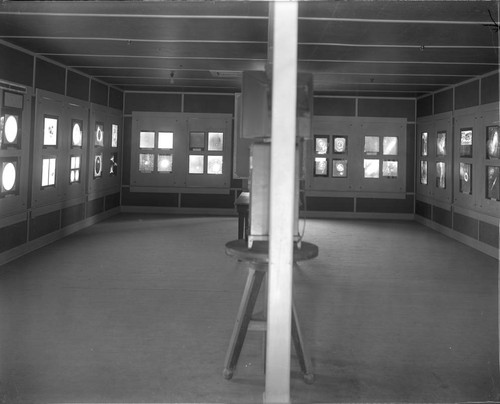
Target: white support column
{"points": [[282, 191]]}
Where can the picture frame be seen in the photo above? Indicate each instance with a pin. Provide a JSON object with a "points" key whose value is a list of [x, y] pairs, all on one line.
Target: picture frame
{"points": [[99, 134], [76, 133], [50, 129], [492, 142]]}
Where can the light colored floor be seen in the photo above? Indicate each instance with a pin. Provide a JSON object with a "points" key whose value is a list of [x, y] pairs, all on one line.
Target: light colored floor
{"points": [[141, 308]]}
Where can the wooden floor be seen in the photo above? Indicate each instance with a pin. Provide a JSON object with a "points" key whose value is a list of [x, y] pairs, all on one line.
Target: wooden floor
{"points": [[141, 309]]}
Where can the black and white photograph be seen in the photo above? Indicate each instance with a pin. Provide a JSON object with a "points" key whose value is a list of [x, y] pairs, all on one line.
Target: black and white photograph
{"points": [[249, 202]]}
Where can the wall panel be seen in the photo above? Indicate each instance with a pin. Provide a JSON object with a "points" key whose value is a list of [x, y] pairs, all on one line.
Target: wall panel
{"points": [[50, 77], [467, 95], [13, 236], [19, 68], [78, 86]]}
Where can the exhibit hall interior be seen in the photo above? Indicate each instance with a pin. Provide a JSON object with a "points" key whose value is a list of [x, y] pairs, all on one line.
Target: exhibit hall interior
{"points": [[138, 150]]}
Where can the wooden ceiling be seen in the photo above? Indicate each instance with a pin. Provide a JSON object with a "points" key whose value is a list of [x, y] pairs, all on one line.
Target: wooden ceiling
{"points": [[389, 48]]}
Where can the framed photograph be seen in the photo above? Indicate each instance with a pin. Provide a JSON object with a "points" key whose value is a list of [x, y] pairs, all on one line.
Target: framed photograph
{"points": [[214, 165], [466, 142], [146, 140], [9, 176], [50, 130], [76, 133], [371, 168], [465, 179], [215, 141], [441, 144], [339, 168], [166, 140], [10, 128], [441, 175], [390, 169], [48, 172], [321, 144], [340, 144], [114, 135], [196, 164], [320, 167], [197, 141], [423, 172], [492, 144], [424, 138], [165, 163], [493, 183], [372, 145], [99, 134], [146, 163], [98, 166], [113, 164], [390, 146], [74, 172]]}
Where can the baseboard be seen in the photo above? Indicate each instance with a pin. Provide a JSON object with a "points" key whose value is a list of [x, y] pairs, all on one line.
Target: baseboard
{"points": [[356, 215], [43, 241], [462, 238], [179, 211]]}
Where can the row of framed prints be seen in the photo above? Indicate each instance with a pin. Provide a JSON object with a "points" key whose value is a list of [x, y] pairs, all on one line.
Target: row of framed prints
{"points": [[50, 133], [76, 149], [458, 158], [492, 150]]}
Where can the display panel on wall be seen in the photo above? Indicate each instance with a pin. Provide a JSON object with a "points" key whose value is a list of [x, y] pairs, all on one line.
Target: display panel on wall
{"points": [[434, 158], [104, 158], [180, 150], [353, 154], [489, 164], [478, 159], [15, 116]]}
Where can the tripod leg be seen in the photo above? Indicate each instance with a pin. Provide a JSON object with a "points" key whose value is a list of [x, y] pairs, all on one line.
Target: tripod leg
{"points": [[245, 311]]}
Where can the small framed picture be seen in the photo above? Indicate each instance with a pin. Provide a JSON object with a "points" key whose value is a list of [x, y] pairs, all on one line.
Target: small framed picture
{"points": [[320, 167], [10, 128], [76, 133], [321, 144], [197, 141], [50, 124], [114, 135], [98, 166], [466, 142], [99, 134], [424, 138]]}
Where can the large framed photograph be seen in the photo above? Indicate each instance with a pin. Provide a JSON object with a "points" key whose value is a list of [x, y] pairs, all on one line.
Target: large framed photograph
{"points": [[493, 183], [423, 172], [492, 143], [441, 144], [441, 175], [50, 124], [424, 141]]}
